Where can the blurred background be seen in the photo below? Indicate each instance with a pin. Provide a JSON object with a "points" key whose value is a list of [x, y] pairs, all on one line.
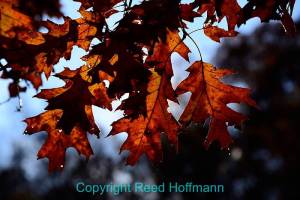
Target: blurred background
{"points": [[262, 163]]}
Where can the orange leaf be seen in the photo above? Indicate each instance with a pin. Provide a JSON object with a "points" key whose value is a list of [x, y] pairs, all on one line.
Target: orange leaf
{"points": [[57, 30], [231, 10], [73, 99], [57, 143], [163, 50], [209, 100], [215, 33], [86, 33], [144, 132], [68, 117], [46, 121], [14, 24]]}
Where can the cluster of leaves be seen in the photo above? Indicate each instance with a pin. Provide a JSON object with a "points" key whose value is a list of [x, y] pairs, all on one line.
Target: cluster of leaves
{"points": [[135, 58]]}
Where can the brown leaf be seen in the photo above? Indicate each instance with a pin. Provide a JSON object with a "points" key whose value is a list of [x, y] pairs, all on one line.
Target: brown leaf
{"points": [[264, 10], [15, 89], [267, 10], [37, 8]]}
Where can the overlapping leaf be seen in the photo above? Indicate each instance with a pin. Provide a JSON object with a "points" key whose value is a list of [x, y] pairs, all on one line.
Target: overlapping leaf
{"points": [[29, 52], [144, 132], [161, 58], [57, 142], [68, 117], [236, 15], [135, 59]]}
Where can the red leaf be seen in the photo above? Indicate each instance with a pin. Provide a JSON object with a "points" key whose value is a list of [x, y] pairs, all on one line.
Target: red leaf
{"points": [[215, 33], [57, 143], [209, 100], [144, 132], [288, 24]]}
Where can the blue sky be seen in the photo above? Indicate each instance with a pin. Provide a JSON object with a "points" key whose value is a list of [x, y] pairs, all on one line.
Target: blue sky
{"points": [[12, 127]]}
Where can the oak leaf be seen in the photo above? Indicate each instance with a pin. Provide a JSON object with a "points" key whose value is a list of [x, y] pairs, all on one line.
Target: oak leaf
{"points": [[210, 99], [217, 10], [215, 33], [68, 117], [15, 24], [161, 58], [75, 99], [133, 58], [144, 132], [163, 50], [57, 142]]}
